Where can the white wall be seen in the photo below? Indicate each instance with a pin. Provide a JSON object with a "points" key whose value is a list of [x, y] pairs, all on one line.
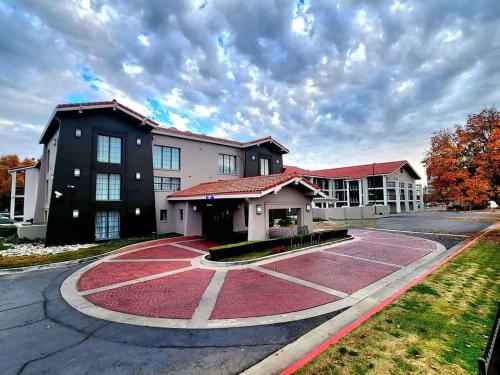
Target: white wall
{"points": [[350, 213], [288, 197], [199, 163], [30, 190]]}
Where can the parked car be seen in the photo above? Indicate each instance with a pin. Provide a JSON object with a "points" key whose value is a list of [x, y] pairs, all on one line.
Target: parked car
{"points": [[5, 221], [455, 207]]}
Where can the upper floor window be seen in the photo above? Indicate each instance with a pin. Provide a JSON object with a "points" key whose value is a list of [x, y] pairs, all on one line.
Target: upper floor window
{"points": [[165, 157], [227, 164], [265, 166], [109, 149], [167, 183], [108, 187]]}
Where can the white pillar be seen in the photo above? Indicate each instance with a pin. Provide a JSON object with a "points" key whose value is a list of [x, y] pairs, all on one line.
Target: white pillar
{"points": [[407, 204], [360, 194], [421, 197], [348, 194], [415, 204], [365, 190], [13, 195], [384, 185], [398, 198]]}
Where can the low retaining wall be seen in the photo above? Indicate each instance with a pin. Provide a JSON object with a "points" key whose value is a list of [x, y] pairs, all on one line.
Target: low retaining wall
{"points": [[32, 231], [351, 213]]}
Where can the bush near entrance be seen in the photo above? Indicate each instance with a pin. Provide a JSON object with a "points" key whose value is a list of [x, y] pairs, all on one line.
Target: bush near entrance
{"points": [[285, 243]]}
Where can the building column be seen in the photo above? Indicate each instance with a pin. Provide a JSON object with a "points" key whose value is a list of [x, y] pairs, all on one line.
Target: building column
{"points": [[364, 182], [407, 204], [348, 194], [360, 193], [398, 198], [421, 204], [384, 185], [13, 195], [415, 203]]}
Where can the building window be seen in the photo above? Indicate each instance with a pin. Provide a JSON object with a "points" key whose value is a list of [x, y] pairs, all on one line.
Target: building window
{"points": [[107, 225], [265, 166], [109, 149], [163, 215], [138, 141], [76, 172], [108, 187], [166, 158], [181, 214], [167, 183], [227, 164], [78, 133]]}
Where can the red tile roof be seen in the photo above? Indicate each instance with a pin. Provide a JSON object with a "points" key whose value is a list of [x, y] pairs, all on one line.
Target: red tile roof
{"points": [[242, 186], [353, 172], [170, 130], [207, 138]]}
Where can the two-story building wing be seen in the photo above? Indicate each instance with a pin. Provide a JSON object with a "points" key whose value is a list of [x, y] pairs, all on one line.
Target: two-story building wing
{"points": [[389, 183]]}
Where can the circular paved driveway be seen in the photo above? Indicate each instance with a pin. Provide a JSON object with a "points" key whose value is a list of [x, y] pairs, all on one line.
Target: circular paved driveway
{"points": [[163, 284]]}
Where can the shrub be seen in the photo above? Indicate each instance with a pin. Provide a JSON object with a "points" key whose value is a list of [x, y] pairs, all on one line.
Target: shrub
{"points": [[231, 250], [8, 231]]}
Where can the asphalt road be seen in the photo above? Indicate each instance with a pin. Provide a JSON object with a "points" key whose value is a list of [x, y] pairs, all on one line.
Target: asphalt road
{"points": [[41, 334]]}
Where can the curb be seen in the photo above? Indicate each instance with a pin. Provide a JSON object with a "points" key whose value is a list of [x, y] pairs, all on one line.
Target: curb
{"points": [[297, 354], [41, 267], [213, 263]]}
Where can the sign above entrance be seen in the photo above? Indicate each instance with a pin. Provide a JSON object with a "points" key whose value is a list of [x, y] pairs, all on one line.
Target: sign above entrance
{"points": [[209, 197]]}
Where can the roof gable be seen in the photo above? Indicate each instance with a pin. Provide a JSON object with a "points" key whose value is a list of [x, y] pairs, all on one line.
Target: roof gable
{"points": [[248, 187], [80, 107], [358, 171]]}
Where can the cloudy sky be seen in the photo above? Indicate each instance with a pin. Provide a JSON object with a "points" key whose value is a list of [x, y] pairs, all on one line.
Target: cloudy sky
{"points": [[337, 82]]}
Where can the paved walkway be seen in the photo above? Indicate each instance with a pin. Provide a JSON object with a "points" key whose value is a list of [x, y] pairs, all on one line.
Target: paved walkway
{"points": [[163, 284]]}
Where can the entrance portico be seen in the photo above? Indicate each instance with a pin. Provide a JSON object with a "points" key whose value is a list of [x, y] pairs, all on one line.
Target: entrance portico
{"points": [[245, 205]]}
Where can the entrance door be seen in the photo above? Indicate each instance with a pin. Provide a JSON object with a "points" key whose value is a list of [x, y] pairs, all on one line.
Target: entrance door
{"points": [[217, 221]]}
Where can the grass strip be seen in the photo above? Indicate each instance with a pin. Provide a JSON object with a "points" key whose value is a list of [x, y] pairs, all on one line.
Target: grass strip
{"points": [[102, 248], [440, 326]]}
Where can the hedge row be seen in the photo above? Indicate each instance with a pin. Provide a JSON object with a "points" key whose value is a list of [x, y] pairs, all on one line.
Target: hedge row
{"points": [[226, 251], [8, 231]]}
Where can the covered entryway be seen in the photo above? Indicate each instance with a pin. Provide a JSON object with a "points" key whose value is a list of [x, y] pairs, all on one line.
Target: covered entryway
{"points": [[217, 218], [251, 207]]}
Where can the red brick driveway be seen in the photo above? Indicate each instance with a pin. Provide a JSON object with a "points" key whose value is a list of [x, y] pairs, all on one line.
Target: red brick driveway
{"points": [[162, 283]]}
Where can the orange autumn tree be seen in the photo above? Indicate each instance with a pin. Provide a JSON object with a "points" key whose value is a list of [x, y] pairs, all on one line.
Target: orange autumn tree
{"points": [[9, 162], [463, 163]]}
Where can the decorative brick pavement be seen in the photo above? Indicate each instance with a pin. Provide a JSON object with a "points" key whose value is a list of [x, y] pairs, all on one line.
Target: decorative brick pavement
{"points": [[162, 283]]}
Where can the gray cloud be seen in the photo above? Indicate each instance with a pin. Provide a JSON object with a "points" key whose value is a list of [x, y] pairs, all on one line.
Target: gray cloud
{"points": [[352, 82]]}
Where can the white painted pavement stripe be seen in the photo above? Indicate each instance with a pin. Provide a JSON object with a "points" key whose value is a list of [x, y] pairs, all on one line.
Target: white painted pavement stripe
{"points": [[209, 298], [392, 244], [185, 247], [141, 260], [296, 280], [364, 259], [136, 281], [410, 231]]}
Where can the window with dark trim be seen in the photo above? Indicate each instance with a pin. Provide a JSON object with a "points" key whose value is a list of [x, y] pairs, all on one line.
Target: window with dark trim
{"points": [[107, 225], [227, 164], [265, 167], [167, 183], [181, 214], [109, 149], [165, 157], [108, 187], [163, 215]]}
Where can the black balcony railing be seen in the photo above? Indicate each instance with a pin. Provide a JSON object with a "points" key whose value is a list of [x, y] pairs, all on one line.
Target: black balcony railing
{"points": [[489, 364]]}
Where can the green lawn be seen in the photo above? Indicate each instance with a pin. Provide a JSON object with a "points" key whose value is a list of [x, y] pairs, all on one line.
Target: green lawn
{"points": [[440, 326], [104, 247]]}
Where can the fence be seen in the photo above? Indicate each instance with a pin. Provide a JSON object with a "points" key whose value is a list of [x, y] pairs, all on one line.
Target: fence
{"points": [[490, 363]]}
